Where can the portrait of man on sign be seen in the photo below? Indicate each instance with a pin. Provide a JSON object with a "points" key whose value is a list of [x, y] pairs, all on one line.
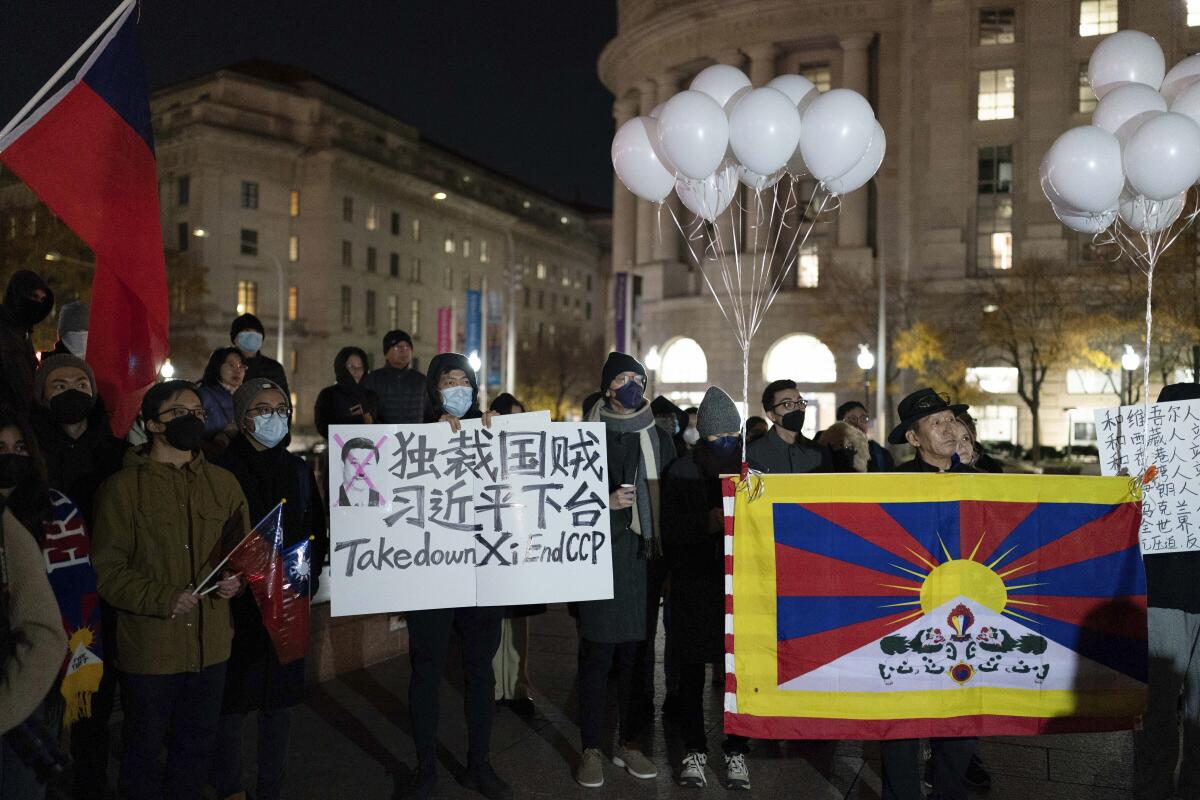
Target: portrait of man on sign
{"points": [[358, 456]]}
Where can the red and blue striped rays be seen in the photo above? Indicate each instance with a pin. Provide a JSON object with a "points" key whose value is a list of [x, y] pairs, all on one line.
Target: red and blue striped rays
{"points": [[848, 574]]}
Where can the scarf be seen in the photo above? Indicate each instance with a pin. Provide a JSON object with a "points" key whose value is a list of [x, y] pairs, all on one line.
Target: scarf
{"points": [[641, 422]]}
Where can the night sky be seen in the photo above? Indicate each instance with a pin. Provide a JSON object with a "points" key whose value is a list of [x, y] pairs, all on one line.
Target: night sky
{"points": [[508, 83]]}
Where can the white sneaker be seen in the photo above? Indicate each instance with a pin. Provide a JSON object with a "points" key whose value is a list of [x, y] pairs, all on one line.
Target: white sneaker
{"points": [[691, 774], [737, 774]]}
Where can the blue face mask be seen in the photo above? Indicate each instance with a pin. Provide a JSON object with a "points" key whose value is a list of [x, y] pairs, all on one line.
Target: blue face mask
{"points": [[456, 400], [724, 445], [630, 395], [269, 429], [249, 341]]}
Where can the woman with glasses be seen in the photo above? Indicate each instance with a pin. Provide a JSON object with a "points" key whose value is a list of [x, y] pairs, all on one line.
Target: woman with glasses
{"points": [[255, 680]]}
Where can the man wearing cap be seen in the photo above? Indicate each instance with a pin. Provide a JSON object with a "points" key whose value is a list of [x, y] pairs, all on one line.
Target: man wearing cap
{"points": [[928, 423], [784, 449], [401, 388], [246, 333]]}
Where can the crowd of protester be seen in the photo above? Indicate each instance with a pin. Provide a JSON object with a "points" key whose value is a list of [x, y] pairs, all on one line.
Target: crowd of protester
{"points": [[213, 457]]}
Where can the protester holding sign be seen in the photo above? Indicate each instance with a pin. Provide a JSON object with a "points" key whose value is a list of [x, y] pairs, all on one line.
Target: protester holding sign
{"points": [[451, 395], [156, 520], [608, 629], [254, 679]]}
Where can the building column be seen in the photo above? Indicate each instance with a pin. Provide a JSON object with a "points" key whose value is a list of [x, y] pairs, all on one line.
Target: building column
{"points": [[755, 216], [852, 219], [668, 247], [647, 229]]}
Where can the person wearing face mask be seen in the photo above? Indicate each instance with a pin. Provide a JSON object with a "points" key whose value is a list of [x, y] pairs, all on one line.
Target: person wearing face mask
{"points": [[246, 333], [784, 449], [224, 373], [27, 301], [690, 435], [255, 681], [72, 330], [348, 401], [157, 521], [452, 395], [673, 420], [694, 546]]}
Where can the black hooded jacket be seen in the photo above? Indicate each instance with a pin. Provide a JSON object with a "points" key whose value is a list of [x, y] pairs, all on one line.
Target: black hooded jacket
{"points": [[77, 467], [18, 314], [438, 366], [345, 402]]}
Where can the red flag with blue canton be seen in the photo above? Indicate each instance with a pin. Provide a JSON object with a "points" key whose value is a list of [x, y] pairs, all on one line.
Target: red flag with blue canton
{"points": [[88, 153]]}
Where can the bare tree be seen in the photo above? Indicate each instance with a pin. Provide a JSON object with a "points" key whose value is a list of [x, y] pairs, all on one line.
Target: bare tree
{"points": [[559, 371]]}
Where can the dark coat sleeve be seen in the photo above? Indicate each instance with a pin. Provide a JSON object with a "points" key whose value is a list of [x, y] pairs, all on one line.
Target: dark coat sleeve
{"points": [[323, 411]]}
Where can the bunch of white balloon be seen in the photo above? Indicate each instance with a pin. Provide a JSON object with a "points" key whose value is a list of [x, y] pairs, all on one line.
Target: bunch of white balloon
{"points": [[1125, 178], [721, 131]]}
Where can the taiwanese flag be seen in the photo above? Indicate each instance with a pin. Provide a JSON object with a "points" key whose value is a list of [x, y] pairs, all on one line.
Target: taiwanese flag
{"points": [[88, 153]]}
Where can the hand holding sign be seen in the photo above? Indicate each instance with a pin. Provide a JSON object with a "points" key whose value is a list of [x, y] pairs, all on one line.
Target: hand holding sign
{"points": [[623, 497]]}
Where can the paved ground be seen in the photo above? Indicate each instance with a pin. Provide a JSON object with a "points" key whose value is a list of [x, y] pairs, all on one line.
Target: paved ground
{"points": [[351, 740]]}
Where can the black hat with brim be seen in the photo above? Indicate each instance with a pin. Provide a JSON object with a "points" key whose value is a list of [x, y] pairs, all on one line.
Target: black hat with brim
{"points": [[918, 405]]}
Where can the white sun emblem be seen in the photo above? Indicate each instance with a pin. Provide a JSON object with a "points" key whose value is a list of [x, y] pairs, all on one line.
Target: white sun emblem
{"points": [[301, 568]]}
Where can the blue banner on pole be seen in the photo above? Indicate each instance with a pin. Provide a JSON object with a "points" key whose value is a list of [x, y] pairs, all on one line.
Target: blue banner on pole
{"points": [[474, 323], [619, 309]]}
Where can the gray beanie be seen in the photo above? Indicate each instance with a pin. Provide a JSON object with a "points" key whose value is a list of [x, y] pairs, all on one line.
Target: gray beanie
{"points": [[73, 317], [718, 414], [58, 361], [246, 393]]}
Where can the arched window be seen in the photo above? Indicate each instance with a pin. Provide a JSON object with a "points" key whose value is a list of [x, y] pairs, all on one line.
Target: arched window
{"points": [[802, 358], [683, 361]]}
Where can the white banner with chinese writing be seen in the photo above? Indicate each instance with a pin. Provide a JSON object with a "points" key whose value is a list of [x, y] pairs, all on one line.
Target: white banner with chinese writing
{"points": [[512, 514], [1166, 436]]}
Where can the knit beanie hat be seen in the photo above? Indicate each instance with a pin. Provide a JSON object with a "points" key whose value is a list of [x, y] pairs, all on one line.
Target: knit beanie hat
{"points": [[615, 365], [718, 414], [72, 317], [393, 338], [246, 393], [53, 362], [246, 322]]}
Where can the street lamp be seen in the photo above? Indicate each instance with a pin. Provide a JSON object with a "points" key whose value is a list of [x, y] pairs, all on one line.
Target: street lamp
{"points": [[167, 370], [652, 360], [866, 362], [1130, 361], [474, 360]]}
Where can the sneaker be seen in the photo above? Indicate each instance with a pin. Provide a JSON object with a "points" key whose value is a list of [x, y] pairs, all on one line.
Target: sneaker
{"points": [[737, 774], [483, 779], [691, 773], [590, 772], [977, 776], [632, 761]]}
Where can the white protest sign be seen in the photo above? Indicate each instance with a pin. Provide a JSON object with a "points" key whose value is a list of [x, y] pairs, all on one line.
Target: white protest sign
{"points": [[1167, 436], [512, 514]]}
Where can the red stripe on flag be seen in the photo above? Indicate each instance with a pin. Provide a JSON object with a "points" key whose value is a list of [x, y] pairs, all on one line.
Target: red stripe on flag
{"points": [[995, 519], [799, 573], [1105, 614], [973, 726], [870, 522], [806, 653], [1116, 530]]}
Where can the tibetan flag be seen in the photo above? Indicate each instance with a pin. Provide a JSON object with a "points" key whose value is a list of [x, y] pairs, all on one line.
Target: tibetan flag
{"points": [[905, 606], [88, 153]]}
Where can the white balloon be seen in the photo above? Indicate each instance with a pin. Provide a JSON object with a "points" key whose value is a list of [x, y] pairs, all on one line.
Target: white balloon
{"points": [[1162, 158], [1083, 169], [756, 182], [636, 161], [835, 132], [1051, 195], [1181, 76], [799, 89], [654, 112], [1130, 56], [764, 130], [1187, 102], [865, 169], [1086, 223], [1148, 216], [720, 82], [709, 197], [735, 97], [1126, 103], [694, 133]]}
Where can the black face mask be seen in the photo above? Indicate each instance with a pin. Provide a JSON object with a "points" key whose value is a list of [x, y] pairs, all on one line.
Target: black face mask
{"points": [[793, 420], [30, 312], [185, 433], [14, 468], [71, 406]]}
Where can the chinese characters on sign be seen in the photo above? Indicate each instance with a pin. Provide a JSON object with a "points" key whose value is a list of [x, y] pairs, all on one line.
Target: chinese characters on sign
{"points": [[1167, 436], [508, 515]]}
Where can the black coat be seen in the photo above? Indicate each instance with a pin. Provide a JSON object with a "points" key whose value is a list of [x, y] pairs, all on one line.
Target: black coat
{"points": [[401, 394], [77, 467], [261, 366], [254, 678], [336, 404], [694, 546]]}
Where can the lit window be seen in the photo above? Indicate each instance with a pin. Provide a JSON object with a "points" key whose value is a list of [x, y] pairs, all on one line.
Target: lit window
{"points": [[1087, 98], [249, 194], [348, 209], [395, 223], [394, 265], [184, 234], [808, 267], [995, 423], [249, 242], [183, 186], [295, 398], [294, 203], [371, 259], [414, 271], [993, 380], [1093, 381], [1193, 13], [416, 230], [819, 74], [994, 209], [997, 94], [997, 26], [801, 358], [347, 254], [370, 309], [1098, 17], [393, 312], [483, 251], [346, 311], [293, 248], [414, 319], [683, 361], [32, 229], [466, 248], [247, 297], [372, 218], [448, 244], [541, 271], [293, 307], [14, 226]]}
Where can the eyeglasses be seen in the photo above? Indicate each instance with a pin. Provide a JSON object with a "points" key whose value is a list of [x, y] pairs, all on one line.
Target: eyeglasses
{"points": [[181, 411], [791, 405], [264, 410], [621, 380]]}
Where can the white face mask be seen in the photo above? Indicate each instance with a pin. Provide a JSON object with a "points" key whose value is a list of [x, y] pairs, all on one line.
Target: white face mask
{"points": [[76, 342], [691, 436]]}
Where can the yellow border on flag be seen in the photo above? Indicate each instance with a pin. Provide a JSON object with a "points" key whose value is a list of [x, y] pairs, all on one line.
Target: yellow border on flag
{"points": [[754, 598]]}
